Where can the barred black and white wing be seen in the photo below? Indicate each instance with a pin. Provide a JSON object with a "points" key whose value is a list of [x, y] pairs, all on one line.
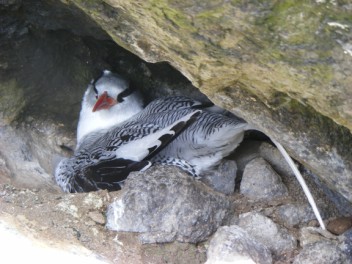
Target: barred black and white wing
{"points": [[105, 160]]}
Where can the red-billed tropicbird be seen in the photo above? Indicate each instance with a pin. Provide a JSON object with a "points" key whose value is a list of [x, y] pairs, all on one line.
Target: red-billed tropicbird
{"points": [[116, 136]]}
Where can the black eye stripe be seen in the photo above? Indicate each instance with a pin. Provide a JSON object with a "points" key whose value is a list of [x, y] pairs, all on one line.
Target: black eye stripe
{"points": [[124, 94], [94, 81], [95, 89]]}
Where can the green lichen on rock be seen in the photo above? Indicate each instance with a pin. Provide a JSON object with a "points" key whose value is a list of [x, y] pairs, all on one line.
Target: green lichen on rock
{"points": [[161, 10]]}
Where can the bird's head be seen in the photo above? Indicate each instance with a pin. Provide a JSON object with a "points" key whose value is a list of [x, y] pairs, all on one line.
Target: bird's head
{"points": [[107, 91], [108, 101]]}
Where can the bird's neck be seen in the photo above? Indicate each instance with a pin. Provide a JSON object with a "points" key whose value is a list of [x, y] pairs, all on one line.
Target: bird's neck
{"points": [[104, 119]]}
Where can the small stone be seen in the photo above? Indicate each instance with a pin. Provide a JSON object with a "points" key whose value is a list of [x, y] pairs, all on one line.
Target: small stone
{"points": [[97, 217], [263, 229], [309, 235], [261, 182], [90, 223], [232, 244], [339, 225], [93, 200]]}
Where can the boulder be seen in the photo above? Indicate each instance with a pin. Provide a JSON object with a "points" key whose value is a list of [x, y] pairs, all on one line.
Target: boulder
{"points": [[165, 204]]}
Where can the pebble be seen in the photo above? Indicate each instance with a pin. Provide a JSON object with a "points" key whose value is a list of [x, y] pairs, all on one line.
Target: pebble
{"points": [[97, 217], [339, 225]]}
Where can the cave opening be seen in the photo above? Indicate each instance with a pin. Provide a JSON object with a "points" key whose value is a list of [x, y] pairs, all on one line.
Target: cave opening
{"points": [[49, 54]]}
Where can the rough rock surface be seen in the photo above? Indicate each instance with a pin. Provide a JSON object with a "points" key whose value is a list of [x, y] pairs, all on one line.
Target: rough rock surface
{"points": [[232, 244], [264, 185], [165, 205]]}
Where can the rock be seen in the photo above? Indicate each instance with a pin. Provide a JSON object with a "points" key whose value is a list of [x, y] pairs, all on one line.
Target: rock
{"points": [[97, 217], [222, 178], [5, 173], [232, 244], [260, 181], [267, 232], [165, 204], [339, 225], [323, 252], [19, 160], [346, 244], [294, 214]]}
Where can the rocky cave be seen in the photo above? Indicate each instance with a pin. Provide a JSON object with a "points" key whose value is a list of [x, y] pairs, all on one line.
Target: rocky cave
{"points": [[284, 66]]}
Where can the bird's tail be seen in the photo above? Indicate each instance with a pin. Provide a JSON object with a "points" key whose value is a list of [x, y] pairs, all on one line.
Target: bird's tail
{"points": [[301, 181], [299, 177]]}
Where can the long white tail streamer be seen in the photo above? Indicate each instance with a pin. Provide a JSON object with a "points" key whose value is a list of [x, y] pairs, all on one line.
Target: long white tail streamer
{"points": [[301, 181]]}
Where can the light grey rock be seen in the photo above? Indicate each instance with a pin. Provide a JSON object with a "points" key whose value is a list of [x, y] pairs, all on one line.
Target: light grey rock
{"points": [[323, 252], [165, 204], [293, 214], [18, 159], [232, 244], [222, 178], [261, 182], [346, 245], [263, 229]]}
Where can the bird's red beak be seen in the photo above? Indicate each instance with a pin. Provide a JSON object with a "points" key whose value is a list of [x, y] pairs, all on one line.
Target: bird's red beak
{"points": [[104, 102]]}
